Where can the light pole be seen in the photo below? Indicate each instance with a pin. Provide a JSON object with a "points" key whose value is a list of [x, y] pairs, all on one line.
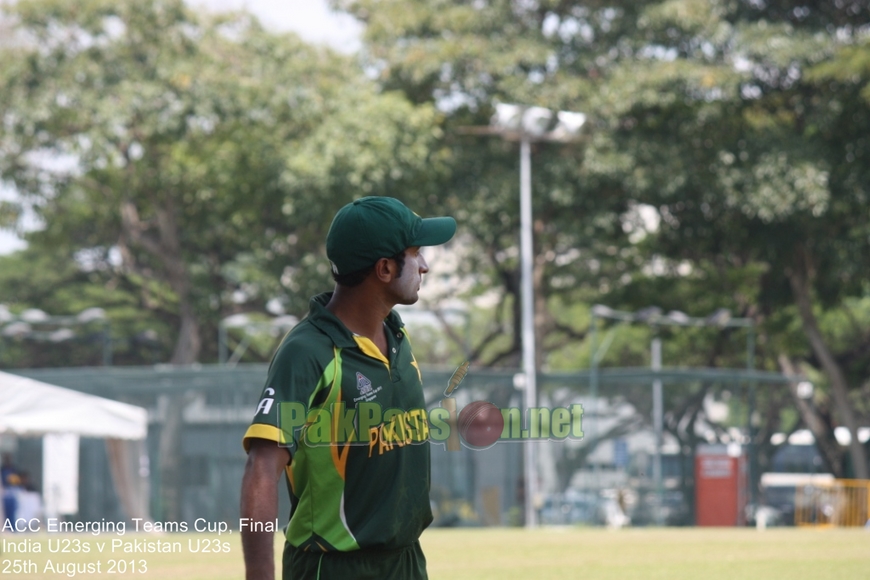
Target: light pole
{"points": [[527, 125], [658, 422]]}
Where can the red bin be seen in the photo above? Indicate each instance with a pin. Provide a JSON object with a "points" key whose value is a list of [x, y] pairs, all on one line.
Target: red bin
{"points": [[720, 485]]}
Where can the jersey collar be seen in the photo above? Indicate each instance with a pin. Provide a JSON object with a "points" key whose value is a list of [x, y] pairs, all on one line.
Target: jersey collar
{"points": [[331, 326]]}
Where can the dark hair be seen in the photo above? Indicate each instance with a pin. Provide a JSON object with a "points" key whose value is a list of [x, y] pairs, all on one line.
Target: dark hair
{"points": [[356, 278]]}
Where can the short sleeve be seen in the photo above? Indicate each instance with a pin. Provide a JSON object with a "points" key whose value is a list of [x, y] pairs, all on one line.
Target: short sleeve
{"points": [[294, 375]]}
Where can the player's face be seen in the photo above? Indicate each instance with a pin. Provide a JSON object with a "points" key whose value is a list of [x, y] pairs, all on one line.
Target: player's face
{"points": [[407, 286]]}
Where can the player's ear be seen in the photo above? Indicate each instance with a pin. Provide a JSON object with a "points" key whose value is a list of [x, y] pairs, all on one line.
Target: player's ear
{"points": [[385, 269]]}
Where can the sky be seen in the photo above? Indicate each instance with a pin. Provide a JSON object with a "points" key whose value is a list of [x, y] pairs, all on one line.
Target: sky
{"points": [[313, 20]]}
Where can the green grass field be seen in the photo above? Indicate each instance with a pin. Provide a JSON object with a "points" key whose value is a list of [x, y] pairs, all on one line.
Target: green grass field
{"points": [[498, 554]]}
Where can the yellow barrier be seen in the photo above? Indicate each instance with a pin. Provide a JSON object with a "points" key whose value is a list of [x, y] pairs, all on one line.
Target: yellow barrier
{"points": [[840, 502]]}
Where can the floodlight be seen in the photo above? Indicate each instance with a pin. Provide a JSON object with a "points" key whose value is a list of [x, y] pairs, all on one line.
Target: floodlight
{"points": [[569, 125], [61, 334], [721, 317], [286, 321], [536, 120], [648, 313], [679, 317], [508, 117], [804, 390], [17, 329], [91, 314], [602, 310], [236, 320], [33, 315]]}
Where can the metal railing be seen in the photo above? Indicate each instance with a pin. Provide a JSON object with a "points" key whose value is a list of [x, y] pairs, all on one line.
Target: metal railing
{"points": [[838, 503]]}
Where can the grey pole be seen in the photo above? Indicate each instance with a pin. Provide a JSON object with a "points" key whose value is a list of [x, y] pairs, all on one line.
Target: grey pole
{"points": [[107, 344], [528, 323], [593, 396], [750, 429], [658, 409], [222, 344], [529, 124]]}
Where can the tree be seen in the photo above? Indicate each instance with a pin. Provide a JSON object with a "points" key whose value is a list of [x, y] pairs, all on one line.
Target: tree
{"points": [[59, 285], [750, 157], [199, 159]]}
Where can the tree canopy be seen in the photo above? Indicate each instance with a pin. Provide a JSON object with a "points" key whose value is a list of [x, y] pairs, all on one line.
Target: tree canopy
{"points": [[741, 125], [196, 160]]}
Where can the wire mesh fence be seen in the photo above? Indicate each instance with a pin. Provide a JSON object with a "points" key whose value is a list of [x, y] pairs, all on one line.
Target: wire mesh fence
{"points": [[600, 459]]}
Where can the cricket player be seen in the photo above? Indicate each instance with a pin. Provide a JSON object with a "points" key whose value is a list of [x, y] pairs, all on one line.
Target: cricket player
{"points": [[342, 415]]}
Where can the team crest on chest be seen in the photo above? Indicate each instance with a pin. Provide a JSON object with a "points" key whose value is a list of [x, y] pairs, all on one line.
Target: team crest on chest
{"points": [[363, 384], [366, 391]]}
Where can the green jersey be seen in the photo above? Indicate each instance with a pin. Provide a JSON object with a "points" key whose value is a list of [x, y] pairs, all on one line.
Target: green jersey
{"points": [[355, 424]]}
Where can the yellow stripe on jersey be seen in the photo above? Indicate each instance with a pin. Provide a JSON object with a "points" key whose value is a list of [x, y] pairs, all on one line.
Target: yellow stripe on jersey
{"points": [[369, 349], [262, 431]]}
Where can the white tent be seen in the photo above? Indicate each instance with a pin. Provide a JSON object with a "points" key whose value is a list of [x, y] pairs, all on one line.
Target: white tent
{"points": [[30, 408]]}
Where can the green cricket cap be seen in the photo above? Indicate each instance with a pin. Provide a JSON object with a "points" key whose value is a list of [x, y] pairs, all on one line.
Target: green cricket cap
{"points": [[374, 227]]}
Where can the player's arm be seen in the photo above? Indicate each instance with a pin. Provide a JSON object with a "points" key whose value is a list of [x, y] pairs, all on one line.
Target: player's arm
{"points": [[259, 503]]}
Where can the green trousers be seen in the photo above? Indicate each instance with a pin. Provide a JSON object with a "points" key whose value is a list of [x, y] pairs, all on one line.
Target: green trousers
{"points": [[406, 563]]}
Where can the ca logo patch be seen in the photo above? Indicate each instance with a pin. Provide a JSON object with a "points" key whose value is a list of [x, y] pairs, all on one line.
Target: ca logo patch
{"points": [[266, 402]]}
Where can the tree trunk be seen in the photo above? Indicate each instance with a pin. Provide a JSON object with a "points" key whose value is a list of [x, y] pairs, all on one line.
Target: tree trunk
{"points": [[188, 343], [160, 238], [826, 443], [839, 388], [169, 458]]}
